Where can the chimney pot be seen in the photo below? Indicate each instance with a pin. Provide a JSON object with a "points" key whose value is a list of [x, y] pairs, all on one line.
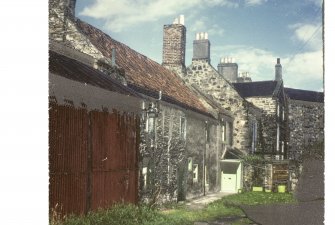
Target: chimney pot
{"points": [[181, 19]]}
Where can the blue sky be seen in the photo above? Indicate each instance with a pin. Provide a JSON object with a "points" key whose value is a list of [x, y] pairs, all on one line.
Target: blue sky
{"points": [[253, 32]]}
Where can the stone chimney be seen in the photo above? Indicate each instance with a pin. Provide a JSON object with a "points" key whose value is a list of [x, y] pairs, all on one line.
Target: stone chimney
{"points": [[278, 71], [243, 77], [60, 11], [228, 69], [201, 47], [174, 44]]}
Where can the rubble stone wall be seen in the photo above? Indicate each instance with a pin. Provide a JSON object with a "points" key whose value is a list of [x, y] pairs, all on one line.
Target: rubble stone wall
{"points": [[62, 28], [204, 76], [306, 122], [166, 158]]}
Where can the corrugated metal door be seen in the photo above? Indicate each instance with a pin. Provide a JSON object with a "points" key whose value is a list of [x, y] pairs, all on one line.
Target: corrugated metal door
{"points": [[93, 159], [68, 158]]}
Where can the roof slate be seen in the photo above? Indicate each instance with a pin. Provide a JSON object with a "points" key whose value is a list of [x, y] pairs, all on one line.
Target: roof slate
{"points": [[304, 95], [142, 71], [258, 88], [77, 71]]}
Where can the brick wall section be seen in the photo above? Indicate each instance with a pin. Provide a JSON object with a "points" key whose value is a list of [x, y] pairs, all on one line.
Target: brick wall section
{"points": [[306, 122], [203, 75], [174, 42]]}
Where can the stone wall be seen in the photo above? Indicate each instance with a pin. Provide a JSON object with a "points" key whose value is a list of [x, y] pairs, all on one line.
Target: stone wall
{"points": [[306, 122], [271, 120], [204, 76], [62, 28], [268, 127], [268, 104], [174, 42], [162, 153], [164, 161], [198, 149]]}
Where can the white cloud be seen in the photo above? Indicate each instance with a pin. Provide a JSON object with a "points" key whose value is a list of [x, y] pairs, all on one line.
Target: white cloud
{"points": [[315, 2], [304, 71], [249, 59], [205, 25], [254, 2], [119, 15], [309, 35]]}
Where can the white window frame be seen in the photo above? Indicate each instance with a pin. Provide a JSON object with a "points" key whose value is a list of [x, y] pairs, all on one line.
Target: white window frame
{"points": [[195, 173], [145, 176], [183, 127]]}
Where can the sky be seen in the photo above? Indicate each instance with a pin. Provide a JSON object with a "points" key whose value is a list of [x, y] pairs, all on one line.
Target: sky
{"points": [[253, 32]]}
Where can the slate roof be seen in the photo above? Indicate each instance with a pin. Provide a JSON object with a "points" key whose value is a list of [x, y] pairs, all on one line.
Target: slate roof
{"points": [[258, 88], [142, 72], [304, 95], [77, 71]]}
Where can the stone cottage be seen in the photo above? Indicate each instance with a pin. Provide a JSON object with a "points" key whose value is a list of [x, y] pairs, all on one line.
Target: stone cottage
{"points": [[181, 130], [263, 112], [240, 136], [270, 97]]}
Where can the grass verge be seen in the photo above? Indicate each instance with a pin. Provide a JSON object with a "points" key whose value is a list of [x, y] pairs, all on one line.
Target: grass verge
{"points": [[178, 214]]}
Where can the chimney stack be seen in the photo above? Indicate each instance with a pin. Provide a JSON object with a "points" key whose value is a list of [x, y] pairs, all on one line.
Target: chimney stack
{"points": [[228, 69], [201, 47], [278, 71], [174, 44]]}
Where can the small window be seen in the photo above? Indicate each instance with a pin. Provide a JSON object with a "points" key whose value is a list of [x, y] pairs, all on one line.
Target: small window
{"points": [[190, 164], [150, 125], [145, 176], [195, 173], [223, 133], [183, 128], [207, 133], [229, 133], [254, 137]]}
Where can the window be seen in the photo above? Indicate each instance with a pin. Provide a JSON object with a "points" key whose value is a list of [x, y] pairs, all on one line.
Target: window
{"points": [[195, 173], [278, 137], [229, 133], [183, 128], [223, 132], [207, 133], [190, 164], [144, 174], [150, 125], [254, 137]]}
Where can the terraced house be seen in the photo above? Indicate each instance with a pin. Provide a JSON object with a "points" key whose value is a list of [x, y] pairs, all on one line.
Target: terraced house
{"points": [[167, 132]]}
